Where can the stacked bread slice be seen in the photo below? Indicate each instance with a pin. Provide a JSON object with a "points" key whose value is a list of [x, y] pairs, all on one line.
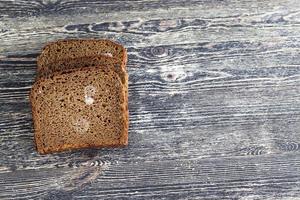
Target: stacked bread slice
{"points": [[80, 97]]}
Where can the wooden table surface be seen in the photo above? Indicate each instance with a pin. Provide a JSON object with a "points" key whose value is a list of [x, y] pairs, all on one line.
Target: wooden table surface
{"points": [[214, 100]]}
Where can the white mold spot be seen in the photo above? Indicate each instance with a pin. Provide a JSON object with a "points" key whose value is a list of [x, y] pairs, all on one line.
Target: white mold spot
{"points": [[80, 124], [89, 92], [88, 100], [108, 54]]}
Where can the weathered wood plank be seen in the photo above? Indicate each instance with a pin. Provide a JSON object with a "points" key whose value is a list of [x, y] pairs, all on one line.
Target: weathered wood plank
{"points": [[214, 100], [267, 176], [201, 22], [21, 8]]}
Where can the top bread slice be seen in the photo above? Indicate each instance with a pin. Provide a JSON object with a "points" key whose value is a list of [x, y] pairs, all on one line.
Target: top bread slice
{"points": [[79, 62], [79, 108], [75, 48]]}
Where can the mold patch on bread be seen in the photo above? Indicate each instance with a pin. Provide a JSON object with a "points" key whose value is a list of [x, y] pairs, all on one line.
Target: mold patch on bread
{"points": [[80, 124], [89, 92]]}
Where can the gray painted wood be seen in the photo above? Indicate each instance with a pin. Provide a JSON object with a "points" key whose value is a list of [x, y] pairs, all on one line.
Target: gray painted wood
{"points": [[214, 100]]}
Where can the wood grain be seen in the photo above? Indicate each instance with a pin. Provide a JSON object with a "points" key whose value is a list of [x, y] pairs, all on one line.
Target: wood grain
{"points": [[214, 100]]}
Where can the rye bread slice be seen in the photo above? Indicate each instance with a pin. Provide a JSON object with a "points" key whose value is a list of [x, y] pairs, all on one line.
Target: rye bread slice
{"points": [[74, 48], [79, 62], [101, 61], [79, 108]]}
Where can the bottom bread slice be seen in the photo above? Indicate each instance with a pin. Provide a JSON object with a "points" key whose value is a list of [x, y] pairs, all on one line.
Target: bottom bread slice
{"points": [[79, 108]]}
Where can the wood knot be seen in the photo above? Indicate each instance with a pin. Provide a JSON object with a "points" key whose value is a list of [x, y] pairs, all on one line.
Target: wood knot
{"points": [[174, 74], [170, 76], [159, 51], [289, 146], [254, 150]]}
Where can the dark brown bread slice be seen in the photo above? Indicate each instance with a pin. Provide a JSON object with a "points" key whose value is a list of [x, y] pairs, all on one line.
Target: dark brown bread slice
{"points": [[74, 48], [80, 62], [79, 108]]}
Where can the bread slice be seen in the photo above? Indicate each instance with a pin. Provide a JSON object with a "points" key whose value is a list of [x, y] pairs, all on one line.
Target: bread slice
{"points": [[101, 61], [74, 48], [79, 62], [79, 108]]}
